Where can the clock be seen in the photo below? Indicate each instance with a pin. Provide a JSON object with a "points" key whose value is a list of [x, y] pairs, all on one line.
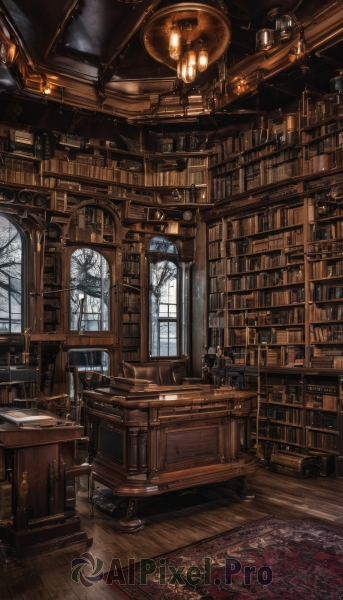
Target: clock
{"points": [[53, 232], [187, 215]]}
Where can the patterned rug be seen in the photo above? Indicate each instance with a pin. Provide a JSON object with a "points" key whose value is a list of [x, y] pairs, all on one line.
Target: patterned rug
{"points": [[268, 559]]}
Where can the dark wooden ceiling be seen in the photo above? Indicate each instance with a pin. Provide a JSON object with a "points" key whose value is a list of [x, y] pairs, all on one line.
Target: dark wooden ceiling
{"points": [[91, 48]]}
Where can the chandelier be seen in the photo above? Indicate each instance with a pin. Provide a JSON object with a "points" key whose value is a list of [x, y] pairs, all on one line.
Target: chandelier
{"points": [[187, 37]]}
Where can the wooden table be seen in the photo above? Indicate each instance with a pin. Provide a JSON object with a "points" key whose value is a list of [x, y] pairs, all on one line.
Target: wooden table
{"points": [[149, 443], [37, 482]]}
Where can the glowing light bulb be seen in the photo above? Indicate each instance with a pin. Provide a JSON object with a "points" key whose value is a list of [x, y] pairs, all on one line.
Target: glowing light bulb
{"points": [[202, 60], [47, 89], [175, 44], [181, 69], [191, 58]]}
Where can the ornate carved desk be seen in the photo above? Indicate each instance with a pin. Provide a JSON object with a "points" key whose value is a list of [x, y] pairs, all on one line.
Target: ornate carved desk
{"points": [[37, 483], [150, 442]]}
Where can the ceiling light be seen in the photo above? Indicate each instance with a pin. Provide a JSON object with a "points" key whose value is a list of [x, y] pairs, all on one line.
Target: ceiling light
{"points": [[198, 35]]}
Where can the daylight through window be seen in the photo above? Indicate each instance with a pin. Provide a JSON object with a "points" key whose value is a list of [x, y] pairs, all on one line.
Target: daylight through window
{"points": [[10, 277], [89, 300]]}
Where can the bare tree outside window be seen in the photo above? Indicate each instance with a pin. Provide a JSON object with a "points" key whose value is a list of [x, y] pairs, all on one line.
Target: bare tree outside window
{"points": [[163, 301], [10, 277], [89, 302]]}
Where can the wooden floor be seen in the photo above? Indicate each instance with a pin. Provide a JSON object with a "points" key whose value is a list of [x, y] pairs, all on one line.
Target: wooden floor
{"points": [[169, 525]]}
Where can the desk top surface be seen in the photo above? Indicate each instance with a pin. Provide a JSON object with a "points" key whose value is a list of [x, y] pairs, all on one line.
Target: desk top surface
{"points": [[164, 395]]}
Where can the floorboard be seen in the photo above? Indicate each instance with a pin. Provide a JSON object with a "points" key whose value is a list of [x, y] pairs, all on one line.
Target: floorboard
{"points": [[171, 522]]}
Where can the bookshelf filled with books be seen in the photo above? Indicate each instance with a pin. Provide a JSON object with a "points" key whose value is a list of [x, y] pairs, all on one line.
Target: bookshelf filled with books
{"points": [[277, 271]]}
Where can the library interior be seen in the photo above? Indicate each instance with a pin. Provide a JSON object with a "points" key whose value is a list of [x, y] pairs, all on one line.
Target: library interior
{"points": [[171, 299]]}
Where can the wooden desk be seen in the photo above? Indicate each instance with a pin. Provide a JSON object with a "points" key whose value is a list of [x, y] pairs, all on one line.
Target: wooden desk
{"points": [[149, 443], [37, 485]]}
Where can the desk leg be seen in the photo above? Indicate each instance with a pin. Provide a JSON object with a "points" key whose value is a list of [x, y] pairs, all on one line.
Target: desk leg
{"points": [[90, 495], [130, 524], [245, 492]]}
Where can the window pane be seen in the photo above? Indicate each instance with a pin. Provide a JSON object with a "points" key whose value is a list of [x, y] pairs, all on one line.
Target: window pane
{"points": [[89, 301], [86, 360], [163, 307], [10, 277], [159, 244]]}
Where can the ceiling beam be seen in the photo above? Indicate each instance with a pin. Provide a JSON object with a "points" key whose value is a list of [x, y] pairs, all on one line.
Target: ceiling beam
{"points": [[61, 27], [107, 71]]}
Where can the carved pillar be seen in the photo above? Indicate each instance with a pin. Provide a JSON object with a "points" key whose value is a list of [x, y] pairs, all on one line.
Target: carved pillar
{"points": [[185, 307], [142, 449], [234, 439], [21, 511], [133, 450]]}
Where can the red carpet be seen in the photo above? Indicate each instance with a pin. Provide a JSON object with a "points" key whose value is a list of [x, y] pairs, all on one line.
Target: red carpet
{"points": [[272, 559]]}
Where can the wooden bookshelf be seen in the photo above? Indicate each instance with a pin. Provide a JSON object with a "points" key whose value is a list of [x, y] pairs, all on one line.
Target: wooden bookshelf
{"points": [[280, 311]]}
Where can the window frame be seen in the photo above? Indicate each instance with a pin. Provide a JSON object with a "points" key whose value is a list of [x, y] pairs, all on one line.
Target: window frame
{"points": [[156, 257], [23, 275], [109, 308]]}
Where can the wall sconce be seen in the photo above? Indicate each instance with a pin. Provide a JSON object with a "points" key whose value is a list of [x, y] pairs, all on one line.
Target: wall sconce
{"points": [[46, 88], [284, 28], [264, 39], [298, 53]]}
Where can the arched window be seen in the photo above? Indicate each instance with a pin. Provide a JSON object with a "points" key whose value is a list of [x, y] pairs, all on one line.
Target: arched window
{"points": [[10, 277], [89, 296], [163, 298]]}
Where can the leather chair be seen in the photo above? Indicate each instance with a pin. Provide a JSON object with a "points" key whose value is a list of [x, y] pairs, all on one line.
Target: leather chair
{"points": [[159, 372]]}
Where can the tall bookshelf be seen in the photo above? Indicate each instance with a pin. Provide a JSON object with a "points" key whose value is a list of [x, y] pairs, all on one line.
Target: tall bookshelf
{"points": [[275, 237]]}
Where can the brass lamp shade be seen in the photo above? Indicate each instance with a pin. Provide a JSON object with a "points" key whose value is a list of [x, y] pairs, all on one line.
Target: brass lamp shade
{"points": [[212, 25]]}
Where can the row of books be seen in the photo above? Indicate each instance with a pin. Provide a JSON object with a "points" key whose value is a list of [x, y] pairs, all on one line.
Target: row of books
{"points": [[269, 279], [277, 241], [327, 358], [168, 178], [290, 316], [289, 394], [327, 333], [216, 300], [319, 420], [293, 435], [217, 284], [322, 441], [214, 249], [284, 356], [326, 313], [327, 292], [132, 301], [325, 268], [293, 416], [131, 267], [273, 336], [216, 320], [216, 268], [273, 218], [259, 299], [131, 329], [257, 175], [215, 232], [110, 173], [242, 264], [327, 231]]}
